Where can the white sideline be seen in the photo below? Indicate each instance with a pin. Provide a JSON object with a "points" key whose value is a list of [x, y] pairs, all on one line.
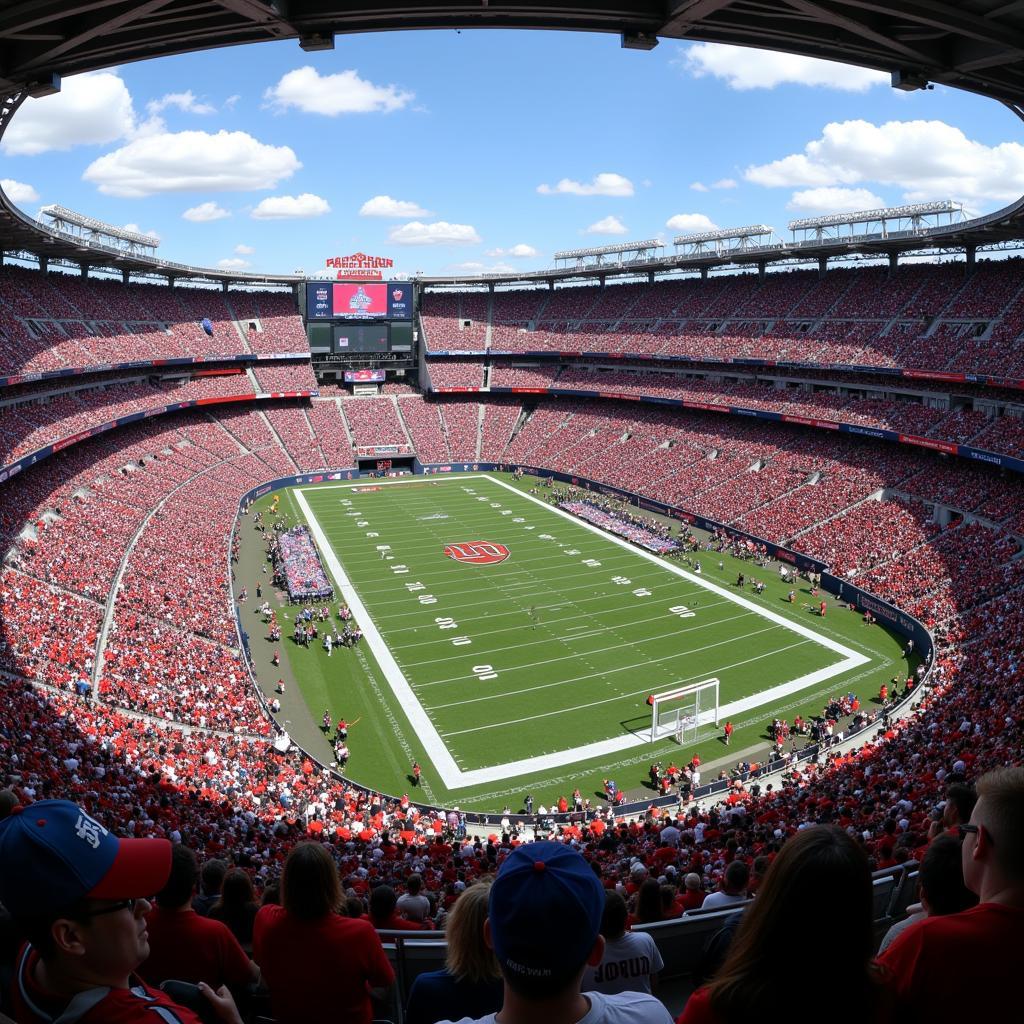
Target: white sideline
{"points": [[444, 764]]}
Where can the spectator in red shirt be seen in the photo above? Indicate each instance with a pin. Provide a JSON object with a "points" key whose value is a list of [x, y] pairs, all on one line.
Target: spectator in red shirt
{"points": [[693, 894], [971, 957], [186, 947], [774, 950], [320, 967]]}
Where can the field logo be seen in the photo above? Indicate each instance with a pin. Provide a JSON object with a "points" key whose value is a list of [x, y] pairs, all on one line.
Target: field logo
{"points": [[477, 552]]}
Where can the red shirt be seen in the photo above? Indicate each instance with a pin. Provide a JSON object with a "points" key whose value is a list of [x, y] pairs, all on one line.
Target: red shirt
{"points": [[135, 1005], [319, 972], [186, 947], [966, 959]]}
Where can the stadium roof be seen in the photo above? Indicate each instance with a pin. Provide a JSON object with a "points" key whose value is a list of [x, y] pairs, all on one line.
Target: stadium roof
{"points": [[976, 45], [970, 44]]}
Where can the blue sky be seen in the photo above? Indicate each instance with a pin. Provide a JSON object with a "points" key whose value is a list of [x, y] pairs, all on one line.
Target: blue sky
{"points": [[487, 150]]}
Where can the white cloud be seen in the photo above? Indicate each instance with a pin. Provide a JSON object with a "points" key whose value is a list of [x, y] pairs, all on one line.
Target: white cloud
{"points": [[604, 184], [699, 186], [307, 90], [205, 212], [438, 233], [691, 223], [191, 161], [725, 183], [520, 251], [291, 207], [229, 103], [385, 206], [835, 200], [186, 102], [233, 264], [609, 225], [926, 159], [244, 250], [18, 192], [744, 68], [90, 109]]}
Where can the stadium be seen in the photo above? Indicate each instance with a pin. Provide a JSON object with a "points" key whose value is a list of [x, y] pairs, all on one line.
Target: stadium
{"points": [[672, 551]]}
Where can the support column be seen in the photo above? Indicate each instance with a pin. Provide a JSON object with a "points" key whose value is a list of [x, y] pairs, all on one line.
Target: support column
{"points": [[972, 258], [703, 273], [894, 262], [760, 271], [822, 267]]}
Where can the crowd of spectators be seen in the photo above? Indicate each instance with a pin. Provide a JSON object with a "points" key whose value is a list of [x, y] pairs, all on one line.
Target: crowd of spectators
{"points": [[292, 426], [375, 421], [331, 433], [45, 417], [285, 377], [52, 321], [297, 564], [920, 316], [455, 373], [616, 518]]}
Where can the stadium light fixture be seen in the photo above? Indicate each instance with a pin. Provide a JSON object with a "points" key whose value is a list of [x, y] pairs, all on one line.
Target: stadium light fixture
{"points": [[724, 235], [889, 213], [608, 250]]}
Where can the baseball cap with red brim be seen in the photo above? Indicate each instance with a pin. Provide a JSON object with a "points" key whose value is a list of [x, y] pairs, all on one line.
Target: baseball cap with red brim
{"points": [[55, 855]]}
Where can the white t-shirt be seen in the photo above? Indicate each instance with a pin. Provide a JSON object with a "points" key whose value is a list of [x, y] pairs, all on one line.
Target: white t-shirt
{"points": [[721, 899], [627, 965], [625, 1008]]}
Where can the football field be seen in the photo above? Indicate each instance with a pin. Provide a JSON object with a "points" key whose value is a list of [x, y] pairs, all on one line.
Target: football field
{"points": [[518, 642]]}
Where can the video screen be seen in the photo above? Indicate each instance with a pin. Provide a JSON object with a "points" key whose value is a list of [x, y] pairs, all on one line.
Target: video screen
{"points": [[361, 338], [353, 300]]}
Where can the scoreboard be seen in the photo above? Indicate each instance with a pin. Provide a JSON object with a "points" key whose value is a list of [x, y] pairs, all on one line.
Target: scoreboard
{"points": [[359, 321], [355, 300]]}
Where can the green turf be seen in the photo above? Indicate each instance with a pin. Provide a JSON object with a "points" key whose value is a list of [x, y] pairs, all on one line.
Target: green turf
{"points": [[574, 647]]}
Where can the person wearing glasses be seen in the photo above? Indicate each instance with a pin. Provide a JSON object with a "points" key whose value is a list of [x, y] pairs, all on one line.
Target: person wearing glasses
{"points": [[78, 893], [974, 957]]}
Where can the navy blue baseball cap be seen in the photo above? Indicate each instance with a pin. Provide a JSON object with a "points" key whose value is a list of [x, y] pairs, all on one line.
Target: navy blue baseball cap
{"points": [[545, 912], [54, 855]]}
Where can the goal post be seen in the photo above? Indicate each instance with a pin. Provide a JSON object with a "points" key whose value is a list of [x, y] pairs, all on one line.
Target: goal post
{"points": [[679, 713]]}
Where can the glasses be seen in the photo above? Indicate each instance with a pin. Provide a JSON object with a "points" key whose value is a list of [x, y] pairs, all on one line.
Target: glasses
{"points": [[965, 830], [113, 908]]}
